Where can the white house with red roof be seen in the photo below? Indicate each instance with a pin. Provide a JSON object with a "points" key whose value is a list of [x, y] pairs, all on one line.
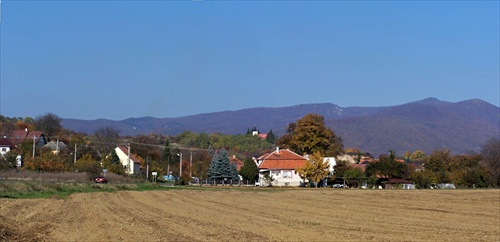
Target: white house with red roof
{"points": [[130, 163], [5, 146], [281, 165]]}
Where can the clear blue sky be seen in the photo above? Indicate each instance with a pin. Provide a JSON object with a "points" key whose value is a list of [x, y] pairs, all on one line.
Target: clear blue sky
{"points": [[122, 59]]}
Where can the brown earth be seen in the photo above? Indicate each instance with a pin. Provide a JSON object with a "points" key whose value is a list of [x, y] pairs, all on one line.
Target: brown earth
{"points": [[256, 215]]}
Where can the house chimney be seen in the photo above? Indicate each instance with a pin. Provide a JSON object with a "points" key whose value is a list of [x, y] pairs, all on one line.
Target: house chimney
{"points": [[277, 149], [26, 130]]}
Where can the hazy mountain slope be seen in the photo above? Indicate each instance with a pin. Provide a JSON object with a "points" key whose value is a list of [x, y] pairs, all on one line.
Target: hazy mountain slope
{"points": [[427, 124]]}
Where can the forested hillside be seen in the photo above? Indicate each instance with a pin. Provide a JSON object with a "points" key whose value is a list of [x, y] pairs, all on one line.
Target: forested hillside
{"points": [[427, 124]]}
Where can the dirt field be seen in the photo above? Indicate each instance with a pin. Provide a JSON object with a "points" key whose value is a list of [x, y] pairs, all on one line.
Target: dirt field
{"points": [[257, 215]]}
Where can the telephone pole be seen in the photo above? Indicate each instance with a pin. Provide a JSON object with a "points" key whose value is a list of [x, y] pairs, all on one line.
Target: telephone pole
{"points": [[34, 140], [180, 167], [75, 155], [191, 165], [129, 168]]}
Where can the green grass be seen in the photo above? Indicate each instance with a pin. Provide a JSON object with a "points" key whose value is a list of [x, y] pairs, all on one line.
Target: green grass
{"points": [[29, 189], [41, 189]]}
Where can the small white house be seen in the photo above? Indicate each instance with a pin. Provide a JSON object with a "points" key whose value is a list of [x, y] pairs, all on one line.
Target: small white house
{"points": [[130, 163], [5, 146], [281, 165]]}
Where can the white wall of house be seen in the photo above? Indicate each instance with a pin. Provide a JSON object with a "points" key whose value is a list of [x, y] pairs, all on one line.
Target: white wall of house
{"points": [[332, 163], [4, 150], [282, 177], [131, 168]]}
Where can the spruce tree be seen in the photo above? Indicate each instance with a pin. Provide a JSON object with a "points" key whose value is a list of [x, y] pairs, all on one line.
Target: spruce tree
{"points": [[225, 165], [220, 167], [114, 158], [234, 172]]}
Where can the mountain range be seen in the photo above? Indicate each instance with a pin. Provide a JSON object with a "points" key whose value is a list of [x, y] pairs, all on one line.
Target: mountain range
{"points": [[425, 125]]}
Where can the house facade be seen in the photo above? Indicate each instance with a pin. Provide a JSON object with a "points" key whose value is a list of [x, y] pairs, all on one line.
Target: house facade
{"points": [[281, 165], [130, 163], [5, 146]]}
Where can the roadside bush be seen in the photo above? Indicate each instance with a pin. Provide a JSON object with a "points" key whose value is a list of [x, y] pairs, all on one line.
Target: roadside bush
{"points": [[88, 165]]}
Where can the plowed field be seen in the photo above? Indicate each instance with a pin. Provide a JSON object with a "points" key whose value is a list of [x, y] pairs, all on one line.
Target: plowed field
{"points": [[256, 215]]}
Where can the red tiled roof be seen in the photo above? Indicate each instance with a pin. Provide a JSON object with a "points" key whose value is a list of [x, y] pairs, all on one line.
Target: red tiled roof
{"points": [[6, 143], [18, 136], [262, 136], [132, 156], [237, 162], [360, 166], [282, 159]]}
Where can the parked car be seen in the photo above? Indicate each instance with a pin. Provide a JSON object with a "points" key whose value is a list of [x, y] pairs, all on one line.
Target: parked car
{"points": [[338, 185], [101, 179], [195, 180]]}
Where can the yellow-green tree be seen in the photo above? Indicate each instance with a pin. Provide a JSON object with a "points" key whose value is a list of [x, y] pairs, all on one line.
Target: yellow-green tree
{"points": [[418, 157], [315, 170], [47, 161], [310, 134], [89, 165], [112, 164]]}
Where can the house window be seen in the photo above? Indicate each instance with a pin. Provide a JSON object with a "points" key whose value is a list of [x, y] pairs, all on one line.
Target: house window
{"points": [[287, 174], [276, 174], [4, 149]]}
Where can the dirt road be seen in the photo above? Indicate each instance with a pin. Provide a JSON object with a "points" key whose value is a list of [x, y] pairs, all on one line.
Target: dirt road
{"points": [[256, 215]]}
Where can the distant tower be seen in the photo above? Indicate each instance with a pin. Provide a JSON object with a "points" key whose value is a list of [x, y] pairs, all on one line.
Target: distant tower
{"points": [[255, 131]]}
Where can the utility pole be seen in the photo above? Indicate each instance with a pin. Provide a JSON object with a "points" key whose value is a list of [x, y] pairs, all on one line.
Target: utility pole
{"points": [[191, 165], [75, 154], [180, 167], [34, 140], [129, 169]]}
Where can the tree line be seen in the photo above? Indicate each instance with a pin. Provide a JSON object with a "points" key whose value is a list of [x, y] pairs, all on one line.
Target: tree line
{"points": [[307, 136]]}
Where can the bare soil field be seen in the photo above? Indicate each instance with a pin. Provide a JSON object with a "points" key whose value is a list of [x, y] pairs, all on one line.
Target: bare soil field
{"points": [[256, 215]]}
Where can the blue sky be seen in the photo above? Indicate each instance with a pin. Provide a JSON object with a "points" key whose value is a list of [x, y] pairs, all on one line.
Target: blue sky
{"points": [[123, 59]]}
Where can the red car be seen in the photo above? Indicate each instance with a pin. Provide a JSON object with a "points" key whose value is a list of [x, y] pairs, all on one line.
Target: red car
{"points": [[101, 179]]}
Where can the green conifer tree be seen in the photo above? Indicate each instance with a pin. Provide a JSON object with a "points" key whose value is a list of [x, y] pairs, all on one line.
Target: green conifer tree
{"points": [[234, 172], [249, 170], [220, 167], [114, 158]]}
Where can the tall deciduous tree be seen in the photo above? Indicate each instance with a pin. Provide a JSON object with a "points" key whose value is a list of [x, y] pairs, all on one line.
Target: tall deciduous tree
{"points": [[491, 159], [315, 170], [49, 124], [437, 160], [387, 167], [107, 139], [418, 157], [310, 135]]}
